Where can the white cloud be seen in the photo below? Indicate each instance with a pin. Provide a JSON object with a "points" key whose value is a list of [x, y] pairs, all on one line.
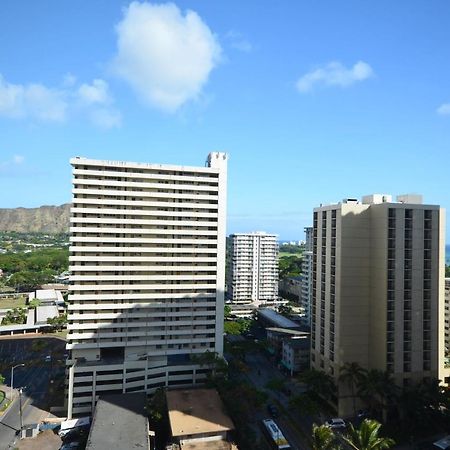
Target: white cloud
{"points": [[164, 55], [444, 109], [106, 118], [97, 92], [334, 74], [38, 102], [18, 159], [34, 101], [238, 41]]}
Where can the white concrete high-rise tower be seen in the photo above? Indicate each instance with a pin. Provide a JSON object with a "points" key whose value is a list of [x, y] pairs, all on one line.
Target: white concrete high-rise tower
{"points": [[147, 263]]}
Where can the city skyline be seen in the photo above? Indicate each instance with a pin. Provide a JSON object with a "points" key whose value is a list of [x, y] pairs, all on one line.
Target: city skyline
{"points": [[313, 104]]}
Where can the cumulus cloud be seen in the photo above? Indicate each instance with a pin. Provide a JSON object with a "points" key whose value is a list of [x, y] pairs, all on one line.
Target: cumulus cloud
{"points": [[40, 103], [106, 118], [97, 92], [334, 74], [444, 109], [32, 100], [238, 41], [164, 55]]}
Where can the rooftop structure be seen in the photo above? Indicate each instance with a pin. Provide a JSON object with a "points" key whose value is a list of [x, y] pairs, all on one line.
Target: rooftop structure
{"points": [[273, 319], [47, 296], [197, 417], [119, 422]]}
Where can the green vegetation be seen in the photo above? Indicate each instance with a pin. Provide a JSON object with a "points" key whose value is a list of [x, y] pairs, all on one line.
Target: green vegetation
{"points": [[16, 316], [367, 437], [27, 271], [289, 266], [323, 438], [58, 323], [292, 249], [18, 301], [447, 271], [12, 241], [240, 326]]}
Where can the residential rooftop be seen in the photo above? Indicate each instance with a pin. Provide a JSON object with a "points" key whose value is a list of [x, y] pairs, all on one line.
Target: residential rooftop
{"points": [[119, 421], [196, 411]]}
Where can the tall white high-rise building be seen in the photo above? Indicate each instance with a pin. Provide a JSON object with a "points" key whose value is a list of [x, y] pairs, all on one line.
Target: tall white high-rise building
{"points": [[378, 289], [253, 274], [306, 276], [147, 270]]}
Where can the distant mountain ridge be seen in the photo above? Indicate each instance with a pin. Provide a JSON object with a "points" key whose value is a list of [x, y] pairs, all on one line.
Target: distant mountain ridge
{"points": [[45, 219]]}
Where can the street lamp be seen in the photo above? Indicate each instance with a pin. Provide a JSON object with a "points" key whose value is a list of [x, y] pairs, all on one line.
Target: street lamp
{"points": [[12, 379], [20, 409]]}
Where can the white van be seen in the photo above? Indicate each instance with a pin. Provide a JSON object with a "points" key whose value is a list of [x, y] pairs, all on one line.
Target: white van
{"points": [[442, 444]]}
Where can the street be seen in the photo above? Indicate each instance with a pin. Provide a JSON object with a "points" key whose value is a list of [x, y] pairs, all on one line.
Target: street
{"points": [[35, 378]]}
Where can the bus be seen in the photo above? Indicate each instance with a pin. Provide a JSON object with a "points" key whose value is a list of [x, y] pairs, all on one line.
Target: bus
{"points": [[275, 435]]}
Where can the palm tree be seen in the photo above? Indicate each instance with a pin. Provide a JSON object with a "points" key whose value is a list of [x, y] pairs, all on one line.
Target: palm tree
{"points": [[352, 373], [378, 389], [319, 382], [323, 438], [366, 437]]}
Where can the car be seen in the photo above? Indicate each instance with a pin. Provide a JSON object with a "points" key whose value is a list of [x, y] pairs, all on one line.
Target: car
{"points": [[48, 358], [336, 423], [273, 410], [442, 444]]}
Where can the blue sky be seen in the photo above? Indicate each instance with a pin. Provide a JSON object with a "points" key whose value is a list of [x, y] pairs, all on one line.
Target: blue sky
{"points": [[313, 100]]}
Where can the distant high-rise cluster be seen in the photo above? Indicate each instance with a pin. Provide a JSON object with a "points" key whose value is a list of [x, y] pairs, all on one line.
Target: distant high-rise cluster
{"points": [[147, 263], [377, 285]]}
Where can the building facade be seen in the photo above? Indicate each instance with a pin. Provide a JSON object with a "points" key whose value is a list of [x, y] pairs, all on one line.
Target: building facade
{"points": [[253, 274], [447, 321], [378, 292], [307, 275], [147, 269]]}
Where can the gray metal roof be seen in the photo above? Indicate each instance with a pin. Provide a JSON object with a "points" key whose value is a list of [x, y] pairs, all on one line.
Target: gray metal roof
{"points": [[120, 422], [277, 319]]}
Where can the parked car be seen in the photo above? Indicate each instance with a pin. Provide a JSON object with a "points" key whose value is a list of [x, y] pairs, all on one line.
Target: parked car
{"points": [[273, 410], [48, 358], [336, 423]]}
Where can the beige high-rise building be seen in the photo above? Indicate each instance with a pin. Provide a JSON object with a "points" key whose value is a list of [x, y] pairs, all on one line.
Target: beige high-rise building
{"points": [[147, 272], [253, 274], [378, 288]]}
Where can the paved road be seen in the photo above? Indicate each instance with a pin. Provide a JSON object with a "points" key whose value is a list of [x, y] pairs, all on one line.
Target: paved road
{"points": [[36, 381], [261, 372]]}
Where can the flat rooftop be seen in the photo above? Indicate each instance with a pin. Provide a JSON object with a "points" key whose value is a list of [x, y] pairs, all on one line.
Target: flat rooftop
{"points": [[288, 331], [277, 319], [119, 421], [195, 411]]}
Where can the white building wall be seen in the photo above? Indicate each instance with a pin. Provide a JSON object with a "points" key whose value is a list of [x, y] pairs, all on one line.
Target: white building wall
{"points": [[253, 276], [147, 263]]}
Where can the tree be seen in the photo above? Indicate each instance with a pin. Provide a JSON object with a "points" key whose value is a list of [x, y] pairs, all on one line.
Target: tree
{"points": [[226, 311], [378, 389], [367, 437], [2, 379], [319, 382], [447, 271], [306, 404], [38, 345], [323, 438], [16, 316], [352, 373], [59, 322]]}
